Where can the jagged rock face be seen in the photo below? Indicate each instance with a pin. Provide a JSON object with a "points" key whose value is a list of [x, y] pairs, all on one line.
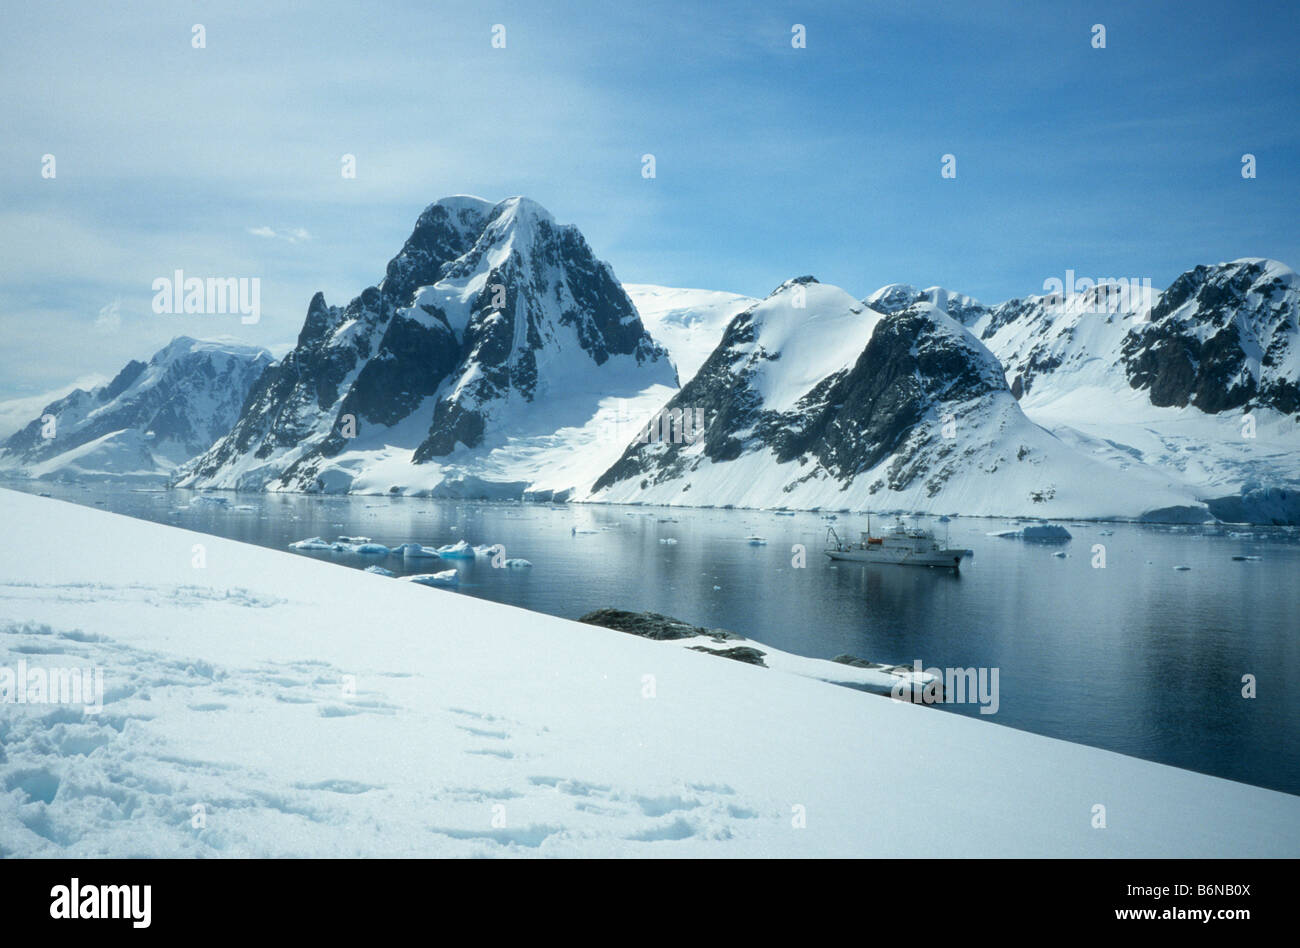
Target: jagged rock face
{"points": [[915, 362], [487, 310], [912, 364], [897, 297], [551, 281], [168, 409], [727, 389], [298, 399], [1221, 338]]}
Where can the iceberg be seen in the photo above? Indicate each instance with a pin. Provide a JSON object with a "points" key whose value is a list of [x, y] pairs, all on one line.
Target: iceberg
{"points": [[380, 571], [207, 500], [416, 551], [448, 577], [460, 550], [1036, 532], [312, 543]]}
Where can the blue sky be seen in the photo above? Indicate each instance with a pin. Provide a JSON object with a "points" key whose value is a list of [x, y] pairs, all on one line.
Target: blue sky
{"points": [[771, 161]]}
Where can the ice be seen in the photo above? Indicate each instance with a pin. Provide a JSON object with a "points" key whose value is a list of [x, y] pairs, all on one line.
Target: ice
{"points": [[380, 571], [208, 500], [460, 550], [416, 551], [518, 564], [670, 541], [448, 577], [342, 545], [312, 543], [1037, 532]]}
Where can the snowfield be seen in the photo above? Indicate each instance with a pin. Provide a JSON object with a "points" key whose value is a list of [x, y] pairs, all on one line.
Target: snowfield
{"points": [[264, 704]]}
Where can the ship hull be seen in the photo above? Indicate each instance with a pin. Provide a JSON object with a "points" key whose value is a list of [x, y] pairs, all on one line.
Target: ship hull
{"points": [[936, 559]]}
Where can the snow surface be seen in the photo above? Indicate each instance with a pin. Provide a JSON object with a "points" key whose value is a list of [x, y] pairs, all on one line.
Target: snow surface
{"points": [[688, 323], [480, 729]]}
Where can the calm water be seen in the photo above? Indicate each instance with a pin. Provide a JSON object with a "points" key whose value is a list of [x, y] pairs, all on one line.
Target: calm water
{"points": [[1138, 657]]}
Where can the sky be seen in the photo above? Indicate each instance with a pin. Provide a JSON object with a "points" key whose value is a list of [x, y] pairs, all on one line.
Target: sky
{"points": [[771, 161]]}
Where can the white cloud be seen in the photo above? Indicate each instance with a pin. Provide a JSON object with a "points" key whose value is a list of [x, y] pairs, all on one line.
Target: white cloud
{"points": [[110, 317], [292, 234]]}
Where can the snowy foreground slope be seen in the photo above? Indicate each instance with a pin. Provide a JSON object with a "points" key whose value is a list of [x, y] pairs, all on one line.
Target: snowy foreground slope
{"points": [[479, 729]]}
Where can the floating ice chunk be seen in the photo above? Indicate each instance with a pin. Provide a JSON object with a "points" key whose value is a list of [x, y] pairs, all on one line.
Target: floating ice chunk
{"points": [[668, 540], [354, 540], [1037, 532], [312, 543], [207, 500], [1060, 554], [756, 541], [415, 551], [1182, 568], [518, 564], [486, 549], [380, 571], [448, 577], [1242, 557], [371, 549], [460, 550]]}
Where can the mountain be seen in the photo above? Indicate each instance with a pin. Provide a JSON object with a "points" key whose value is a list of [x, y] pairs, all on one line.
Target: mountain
{"points": [[147, 421], [813, 399], [495, 351], [1199, 380], [15, 413]]}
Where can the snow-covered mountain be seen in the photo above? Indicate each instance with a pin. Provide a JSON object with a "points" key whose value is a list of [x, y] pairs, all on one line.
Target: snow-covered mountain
{"points": [[494, 353], [813, 399], [1199, 380], [147, 421]]}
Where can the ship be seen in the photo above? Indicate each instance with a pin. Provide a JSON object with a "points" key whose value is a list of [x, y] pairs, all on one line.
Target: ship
{"points": [[900, 546]]}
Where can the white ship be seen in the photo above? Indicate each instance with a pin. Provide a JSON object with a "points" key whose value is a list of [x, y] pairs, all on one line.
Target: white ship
{"points": [[900, 546]]}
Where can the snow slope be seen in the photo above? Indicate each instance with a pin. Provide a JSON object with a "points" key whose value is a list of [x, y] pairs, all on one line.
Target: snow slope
{"points": [[688, 323], [480, 729]]}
